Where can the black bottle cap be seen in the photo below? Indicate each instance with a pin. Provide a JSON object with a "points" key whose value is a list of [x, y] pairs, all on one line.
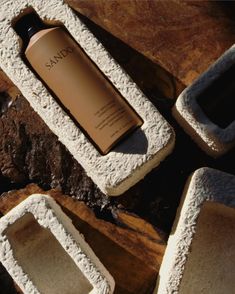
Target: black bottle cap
{"points": [[28, 25]]}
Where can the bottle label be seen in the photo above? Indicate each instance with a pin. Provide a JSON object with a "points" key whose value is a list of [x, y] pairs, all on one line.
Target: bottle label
{"points": [[103, 114], [58, 56]]}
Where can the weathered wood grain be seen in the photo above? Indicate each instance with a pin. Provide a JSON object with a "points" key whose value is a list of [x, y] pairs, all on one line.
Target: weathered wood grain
{"points": [[183, 37]]}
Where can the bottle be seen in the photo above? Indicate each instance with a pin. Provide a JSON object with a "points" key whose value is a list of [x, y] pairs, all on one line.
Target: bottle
{"points": [[86, 94]]}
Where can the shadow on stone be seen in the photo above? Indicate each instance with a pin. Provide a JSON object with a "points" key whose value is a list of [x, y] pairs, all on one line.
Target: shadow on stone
{"points": [[135, 143]]}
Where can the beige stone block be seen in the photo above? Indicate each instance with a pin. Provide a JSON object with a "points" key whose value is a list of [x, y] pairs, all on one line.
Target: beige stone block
{"points": [[200, 253], [132, 159], [204, 109], [44, 253]]}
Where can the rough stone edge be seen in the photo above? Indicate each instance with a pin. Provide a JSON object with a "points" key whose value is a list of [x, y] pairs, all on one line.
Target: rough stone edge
{"points": [[214, 140], [205, 184], [50, 216], [113, 173], [145, 169]]}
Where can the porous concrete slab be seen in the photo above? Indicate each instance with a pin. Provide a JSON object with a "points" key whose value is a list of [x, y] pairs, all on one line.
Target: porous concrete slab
{"points": [[211, 138], [44, 253], [200, 253], [131, 160]]}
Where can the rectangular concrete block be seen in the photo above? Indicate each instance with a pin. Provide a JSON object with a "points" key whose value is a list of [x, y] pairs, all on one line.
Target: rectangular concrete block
{"points": [[131, 160], [44, 253], [205, 108], [200, 253]]}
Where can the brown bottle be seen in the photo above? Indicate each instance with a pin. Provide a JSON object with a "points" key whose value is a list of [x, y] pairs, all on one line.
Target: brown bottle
{"points": [[100, 110]]}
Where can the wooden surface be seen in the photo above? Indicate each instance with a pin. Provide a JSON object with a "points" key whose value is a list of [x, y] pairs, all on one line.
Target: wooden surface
{"points": [[183, 37], [131, 251], [163, 46]]}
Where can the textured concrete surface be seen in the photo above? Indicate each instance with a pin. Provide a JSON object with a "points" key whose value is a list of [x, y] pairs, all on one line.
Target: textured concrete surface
{"points": [[212, 138], [187, 265], [44, 253], [131, 160]]}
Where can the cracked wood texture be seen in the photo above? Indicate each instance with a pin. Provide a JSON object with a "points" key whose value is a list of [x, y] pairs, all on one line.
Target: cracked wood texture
{"points": [[183, 37], [163, 46]]}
